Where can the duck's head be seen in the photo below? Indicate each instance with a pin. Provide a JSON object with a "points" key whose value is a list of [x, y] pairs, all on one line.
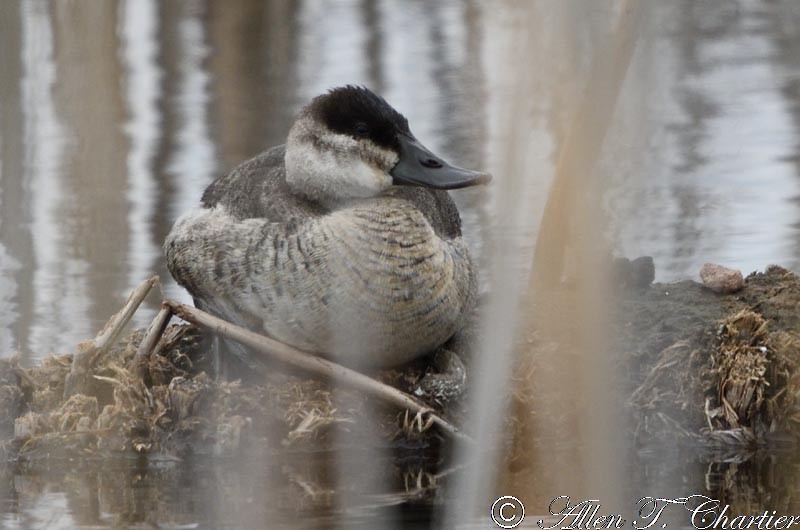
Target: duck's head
{"points": [[350, 143]]}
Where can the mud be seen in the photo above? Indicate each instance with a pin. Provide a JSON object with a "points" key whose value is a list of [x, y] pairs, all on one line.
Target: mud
{"points": [[718, 369]]}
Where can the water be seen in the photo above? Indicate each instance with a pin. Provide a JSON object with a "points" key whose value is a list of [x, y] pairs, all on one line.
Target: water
{"points": [[720, 174], [114, 117]]}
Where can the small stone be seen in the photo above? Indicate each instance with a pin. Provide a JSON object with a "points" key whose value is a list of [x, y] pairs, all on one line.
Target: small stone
{"points": [[721, 279]]}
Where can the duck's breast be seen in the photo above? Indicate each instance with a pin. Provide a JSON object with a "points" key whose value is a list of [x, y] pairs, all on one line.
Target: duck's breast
{"points": [[372, 283], [397, 289]]}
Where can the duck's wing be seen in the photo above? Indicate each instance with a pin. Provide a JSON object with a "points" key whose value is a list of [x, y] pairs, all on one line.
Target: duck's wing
{"points": [[257, 189], [196, 253]]}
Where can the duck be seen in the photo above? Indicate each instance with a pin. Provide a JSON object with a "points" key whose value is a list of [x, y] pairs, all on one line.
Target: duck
{"points": [[343, 242]]}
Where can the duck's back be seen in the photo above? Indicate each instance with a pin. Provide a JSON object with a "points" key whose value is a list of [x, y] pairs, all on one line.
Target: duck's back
{"points": [[257, 189]]}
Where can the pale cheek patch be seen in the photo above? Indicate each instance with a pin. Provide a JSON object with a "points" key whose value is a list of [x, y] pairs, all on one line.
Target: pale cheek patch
{"points": [[337, 166], [364, 180]]}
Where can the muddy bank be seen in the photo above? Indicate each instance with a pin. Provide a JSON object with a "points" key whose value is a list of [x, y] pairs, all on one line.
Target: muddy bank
{"points": [[719, 369]]}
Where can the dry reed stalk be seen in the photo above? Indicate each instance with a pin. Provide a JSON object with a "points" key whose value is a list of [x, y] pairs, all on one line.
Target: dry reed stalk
{"points": [[90, 352], [151, 338]]}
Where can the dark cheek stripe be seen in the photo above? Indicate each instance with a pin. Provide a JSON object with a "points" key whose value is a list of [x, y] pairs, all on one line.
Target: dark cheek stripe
{"points": [[363, 150]]}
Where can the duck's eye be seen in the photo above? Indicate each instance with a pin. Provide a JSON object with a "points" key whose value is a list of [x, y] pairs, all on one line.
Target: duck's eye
{"points": [[361, 129]]}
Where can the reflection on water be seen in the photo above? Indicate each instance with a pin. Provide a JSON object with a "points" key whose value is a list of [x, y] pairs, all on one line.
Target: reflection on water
{"points": [[114, 117], [60, 276], [721, 176], [139, 49], [194, 494]]}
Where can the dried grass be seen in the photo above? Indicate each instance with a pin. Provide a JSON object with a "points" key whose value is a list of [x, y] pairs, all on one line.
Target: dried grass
{"points": [[170, 409]]}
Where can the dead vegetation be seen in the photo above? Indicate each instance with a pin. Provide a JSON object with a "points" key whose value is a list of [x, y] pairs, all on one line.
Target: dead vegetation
{"points": [[180, 409], [149, 393]]}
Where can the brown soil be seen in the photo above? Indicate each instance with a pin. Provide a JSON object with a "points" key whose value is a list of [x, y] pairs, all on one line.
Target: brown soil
{"points": [[720, 369]]}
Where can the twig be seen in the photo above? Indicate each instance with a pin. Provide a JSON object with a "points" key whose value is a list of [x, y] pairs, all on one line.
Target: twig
{"points": [[286, 354], [88, 355], [111, 332], [150, 339]]}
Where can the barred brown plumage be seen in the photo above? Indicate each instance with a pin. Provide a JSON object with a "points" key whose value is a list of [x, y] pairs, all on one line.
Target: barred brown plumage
{"points": [[314, 245]]}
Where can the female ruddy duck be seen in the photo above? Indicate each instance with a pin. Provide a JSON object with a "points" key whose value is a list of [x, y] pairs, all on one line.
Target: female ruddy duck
{"points": [[339, 243]]}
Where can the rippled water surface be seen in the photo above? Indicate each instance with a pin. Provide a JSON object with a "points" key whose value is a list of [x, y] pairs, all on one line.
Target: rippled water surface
{"points": [[114, 116]]}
